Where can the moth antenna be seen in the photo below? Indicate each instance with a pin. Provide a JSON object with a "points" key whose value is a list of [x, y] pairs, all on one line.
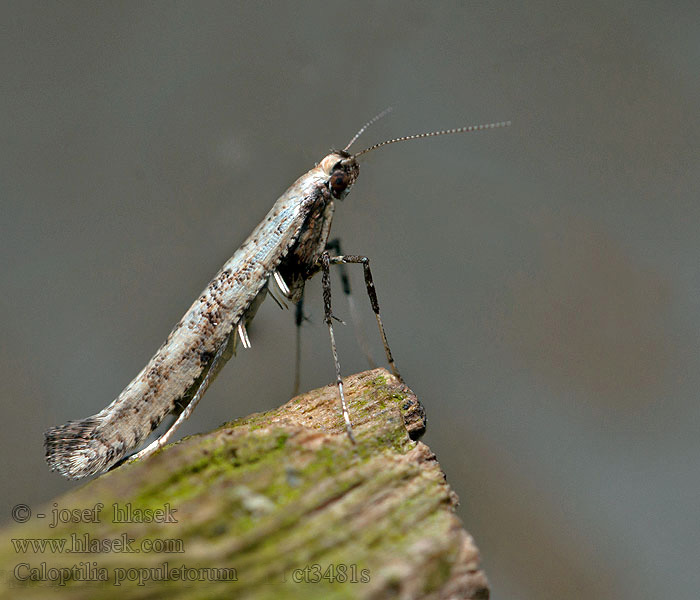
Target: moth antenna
{"points": [[374, 119], [434, 133]]}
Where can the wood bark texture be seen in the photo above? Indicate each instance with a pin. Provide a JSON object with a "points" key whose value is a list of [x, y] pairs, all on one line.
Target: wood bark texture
{"points": [[281, 499]]}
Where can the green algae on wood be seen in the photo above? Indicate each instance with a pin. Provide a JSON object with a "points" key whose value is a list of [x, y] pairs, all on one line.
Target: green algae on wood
{"points": [[277, 504]]}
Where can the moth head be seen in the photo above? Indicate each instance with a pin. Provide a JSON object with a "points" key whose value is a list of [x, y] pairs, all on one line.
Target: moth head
{"points": [[341, 170]]}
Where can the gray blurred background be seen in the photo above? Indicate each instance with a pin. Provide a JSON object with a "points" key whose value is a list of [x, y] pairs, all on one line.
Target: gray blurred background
{"points": [[539, 284]]}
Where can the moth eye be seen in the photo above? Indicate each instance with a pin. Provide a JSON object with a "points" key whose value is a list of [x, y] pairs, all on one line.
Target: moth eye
{"points": [[339, 183]]}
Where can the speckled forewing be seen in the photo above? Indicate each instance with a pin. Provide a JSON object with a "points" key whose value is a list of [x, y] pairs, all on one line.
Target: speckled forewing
{"points": [[92, 445]]}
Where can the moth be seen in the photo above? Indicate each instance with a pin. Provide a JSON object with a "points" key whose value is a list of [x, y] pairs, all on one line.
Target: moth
{"points": [[286, 249]]}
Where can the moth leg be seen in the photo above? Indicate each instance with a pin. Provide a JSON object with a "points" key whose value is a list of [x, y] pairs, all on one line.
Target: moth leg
{"points": [[369, 283], [243, 334], [354, 313], [328, 312], [220, 358], [282, 284], [298, 320], [281, 288]]}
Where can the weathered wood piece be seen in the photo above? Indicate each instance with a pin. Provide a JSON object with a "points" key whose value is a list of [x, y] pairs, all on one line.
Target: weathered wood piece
{"points": [[274, 505]]}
